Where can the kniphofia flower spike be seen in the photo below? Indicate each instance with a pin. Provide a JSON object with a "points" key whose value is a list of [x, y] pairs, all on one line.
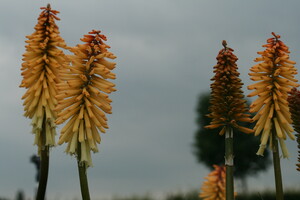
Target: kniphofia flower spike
{"points": [[82, 96], [42, 61], [275, 76], [227, 105]]}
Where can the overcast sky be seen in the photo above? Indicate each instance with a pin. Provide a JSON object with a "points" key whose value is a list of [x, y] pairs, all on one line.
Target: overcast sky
{"points": [[165, 53]]}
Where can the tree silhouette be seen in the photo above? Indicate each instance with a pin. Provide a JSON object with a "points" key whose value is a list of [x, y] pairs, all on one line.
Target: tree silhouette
{"points": [[209, 146], [20, 195]]}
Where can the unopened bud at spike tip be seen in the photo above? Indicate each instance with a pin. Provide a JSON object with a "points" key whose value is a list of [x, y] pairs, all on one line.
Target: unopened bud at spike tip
{"points": [[224, 43]]}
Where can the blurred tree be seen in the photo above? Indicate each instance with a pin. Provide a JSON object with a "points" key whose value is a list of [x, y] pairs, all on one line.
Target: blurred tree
{"points": [[209, 147], [37, 163], [190, 195], [20, 195]]}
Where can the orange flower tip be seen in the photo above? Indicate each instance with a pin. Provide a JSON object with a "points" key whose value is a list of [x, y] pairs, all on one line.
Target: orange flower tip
{"points": [[222, 131], [224, 43], [233, 121], [276, 36], [246, 130], [250, 87], [253, 105], [252, 110], [212, 126], [95, 32]]}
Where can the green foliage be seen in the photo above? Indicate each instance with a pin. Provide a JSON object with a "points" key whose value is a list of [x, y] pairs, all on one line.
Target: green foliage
{"points": [[209, 147]]}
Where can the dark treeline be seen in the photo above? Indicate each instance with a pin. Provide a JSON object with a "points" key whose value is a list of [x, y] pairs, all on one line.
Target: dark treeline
{"points": [[193, 195]]}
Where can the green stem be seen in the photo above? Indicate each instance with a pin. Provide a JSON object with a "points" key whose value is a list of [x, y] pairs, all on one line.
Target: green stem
{"points": [[277, 168], [82, 175], [229, 164], [44, 169]]}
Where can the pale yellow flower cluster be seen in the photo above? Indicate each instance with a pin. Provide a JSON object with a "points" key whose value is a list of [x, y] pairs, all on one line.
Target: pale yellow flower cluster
{"points": [[82, 99], [214, 188], [227, 105], [42, 61], [275, 74]]}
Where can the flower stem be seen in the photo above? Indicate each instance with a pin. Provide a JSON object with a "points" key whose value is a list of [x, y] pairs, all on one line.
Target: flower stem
{"points": [[229, 163], [277, 168], [41, 193], [82, 175]]}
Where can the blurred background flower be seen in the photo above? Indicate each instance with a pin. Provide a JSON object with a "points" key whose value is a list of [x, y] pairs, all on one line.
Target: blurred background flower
{"points": [[214, 186]]}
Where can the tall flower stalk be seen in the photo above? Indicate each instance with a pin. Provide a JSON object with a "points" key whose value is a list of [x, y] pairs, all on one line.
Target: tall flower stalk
{"points": [[294, 105], [42, 61], [83, 100], [275, 74], [227, 107]]}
